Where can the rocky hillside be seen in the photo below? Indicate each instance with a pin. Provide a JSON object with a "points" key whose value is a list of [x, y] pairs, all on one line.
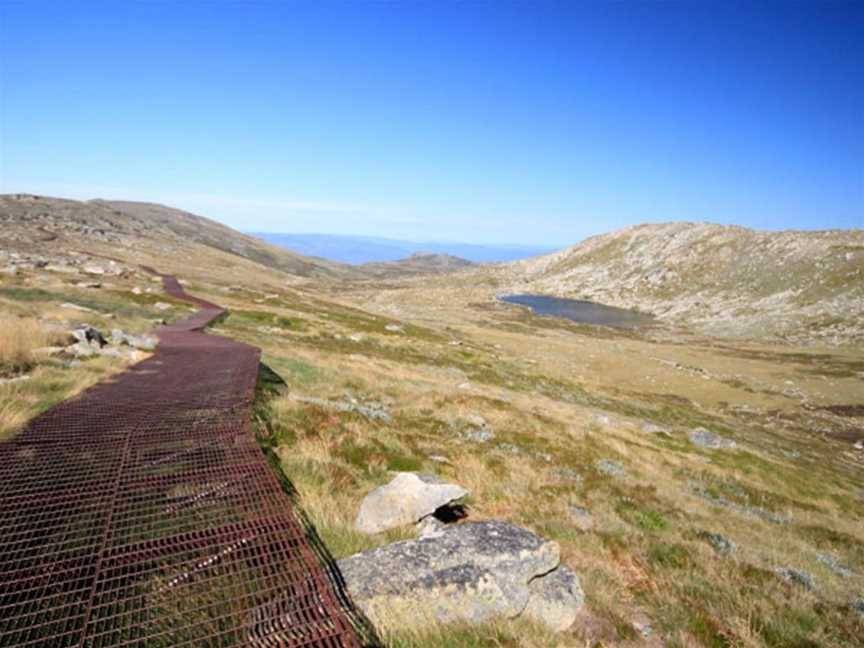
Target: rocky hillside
{"points": [[719, 279], [33, 220], [417, 264]]}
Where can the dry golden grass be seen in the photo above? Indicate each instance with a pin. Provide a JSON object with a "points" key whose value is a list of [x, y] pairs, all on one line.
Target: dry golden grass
{"points": [[19, 338]]}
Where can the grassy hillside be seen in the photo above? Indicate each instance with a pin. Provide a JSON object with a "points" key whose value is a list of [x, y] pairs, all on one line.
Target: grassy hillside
{"points": [[580, 434], [722, 279]]}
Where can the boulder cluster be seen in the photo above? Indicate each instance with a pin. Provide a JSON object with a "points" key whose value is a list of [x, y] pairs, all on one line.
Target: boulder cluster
{"points": [[470, 572]]}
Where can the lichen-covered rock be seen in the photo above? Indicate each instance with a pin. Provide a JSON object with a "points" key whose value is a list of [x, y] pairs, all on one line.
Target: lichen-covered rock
{"points": [[143, 342], [797, 576], [706, 439], [409, 497], [555, 599], [472, 572], [611, 468]]}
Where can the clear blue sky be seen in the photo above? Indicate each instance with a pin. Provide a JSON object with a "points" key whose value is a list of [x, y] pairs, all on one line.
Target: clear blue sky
{"points": [[482, 122]]}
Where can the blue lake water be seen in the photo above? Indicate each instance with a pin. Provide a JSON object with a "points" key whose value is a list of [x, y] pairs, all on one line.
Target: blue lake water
{"points": [[583, 312]]}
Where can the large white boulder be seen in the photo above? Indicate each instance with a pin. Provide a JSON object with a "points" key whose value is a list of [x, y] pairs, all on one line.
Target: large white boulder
{"points": [[408, 498]]}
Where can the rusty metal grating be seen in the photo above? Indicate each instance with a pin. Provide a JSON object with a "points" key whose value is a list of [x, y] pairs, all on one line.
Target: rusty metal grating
{"points": [[143, 513]]}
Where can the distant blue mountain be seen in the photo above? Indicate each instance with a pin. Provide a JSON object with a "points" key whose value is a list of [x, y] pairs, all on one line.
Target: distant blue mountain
{"points": [[366, 249]]}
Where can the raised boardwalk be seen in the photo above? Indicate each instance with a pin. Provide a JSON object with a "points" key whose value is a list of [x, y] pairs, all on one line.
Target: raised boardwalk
{"points": [[143, 513]]}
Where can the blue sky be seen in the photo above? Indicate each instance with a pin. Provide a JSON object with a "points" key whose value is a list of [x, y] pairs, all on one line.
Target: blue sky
{"points": [[483, 122]]}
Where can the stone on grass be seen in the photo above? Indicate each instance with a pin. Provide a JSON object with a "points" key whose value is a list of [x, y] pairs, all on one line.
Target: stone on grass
{"points": [[797, 577], [834, 565], [719, 542], [409, 497], [651, 428], [161, 306], [706, 439], [473, 572], [611, 468], [555, 599]]}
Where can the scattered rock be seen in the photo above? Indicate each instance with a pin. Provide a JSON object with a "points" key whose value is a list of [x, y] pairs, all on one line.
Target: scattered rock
{"points": [[797, 576], [88, 284], [439, 459], [602, 419], [719, 500], [89, 334], [567, 474], [706, 439], [580, 517], [161, 306], [720, 543], [858, 606], [834, 565], [465, 386], [479, 435], [651, 428], [136, 290], [394, 328], [409, 497], [555, 599], [473, 572], [370, 409], [509, 448], [611, 468], [93, 269], [144, 342]]}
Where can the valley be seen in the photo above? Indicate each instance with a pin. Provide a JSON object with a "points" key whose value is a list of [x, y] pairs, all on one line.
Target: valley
{"points": [[702, 475]]}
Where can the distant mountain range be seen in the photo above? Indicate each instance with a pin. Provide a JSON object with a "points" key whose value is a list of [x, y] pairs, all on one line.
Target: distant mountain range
{"points": [[368, 249]]}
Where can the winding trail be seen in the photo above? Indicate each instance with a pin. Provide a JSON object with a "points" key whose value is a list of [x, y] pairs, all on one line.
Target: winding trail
{"points": [[144, 513]]}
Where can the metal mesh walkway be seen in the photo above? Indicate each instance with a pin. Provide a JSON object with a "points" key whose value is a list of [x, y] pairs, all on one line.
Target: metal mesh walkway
{"points": [[143, 513]]}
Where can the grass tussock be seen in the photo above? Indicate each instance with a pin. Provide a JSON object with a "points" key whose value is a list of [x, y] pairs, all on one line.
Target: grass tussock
{"points": [[20, 337]]}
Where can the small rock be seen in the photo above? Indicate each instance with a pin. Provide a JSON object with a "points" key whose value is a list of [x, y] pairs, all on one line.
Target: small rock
{"points": [[93, 269], [136, 290], [509, 448], [568, 474], [707, 439], [479, 435], [651, 428], [834, 565], [88, 284], [611, 468], [144, 342], [394, 328], [858, 606], [797, 576], [720, 543], [439, 459], [161, 306], [602, 419], [409, 497], [465, 386], [555, 599], [581, 517]]}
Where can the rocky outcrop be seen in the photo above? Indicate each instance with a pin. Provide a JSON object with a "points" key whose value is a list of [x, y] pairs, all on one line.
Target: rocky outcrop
{"points": [[472, 572], [555, 599], [407, 499], [706, 439]]}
